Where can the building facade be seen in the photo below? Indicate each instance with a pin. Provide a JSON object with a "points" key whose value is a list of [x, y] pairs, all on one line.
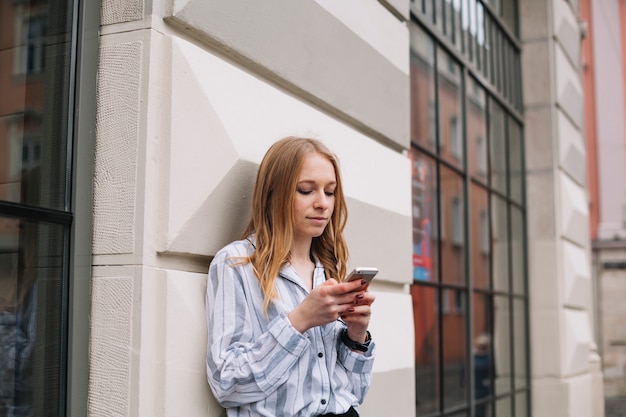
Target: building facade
{"points": [[604, 62], [459, 125]]}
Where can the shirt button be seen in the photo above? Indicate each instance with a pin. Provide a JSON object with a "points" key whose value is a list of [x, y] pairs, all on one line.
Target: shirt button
{"points": [[320, 355], [323, 402]]}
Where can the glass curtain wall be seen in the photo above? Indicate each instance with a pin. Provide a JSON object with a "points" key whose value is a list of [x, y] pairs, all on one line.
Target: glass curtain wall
{"points": [[35, 215], [469, 250]]}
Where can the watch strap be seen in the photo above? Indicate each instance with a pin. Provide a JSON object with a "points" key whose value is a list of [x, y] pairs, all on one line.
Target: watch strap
{"points": [[361, 347]]}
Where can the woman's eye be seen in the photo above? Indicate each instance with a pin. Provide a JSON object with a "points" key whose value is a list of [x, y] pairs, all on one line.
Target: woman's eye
{"points": [[329, 193], [304, 192]]}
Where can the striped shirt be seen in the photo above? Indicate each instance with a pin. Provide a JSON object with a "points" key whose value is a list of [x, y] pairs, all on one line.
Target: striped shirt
{"points": [[258, 366]]}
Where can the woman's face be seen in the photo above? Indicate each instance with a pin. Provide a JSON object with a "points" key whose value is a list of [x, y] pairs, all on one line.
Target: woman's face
{"points": [[314, 199]]}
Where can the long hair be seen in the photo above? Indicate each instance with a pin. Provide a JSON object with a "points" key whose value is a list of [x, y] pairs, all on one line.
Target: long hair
{"points": [[272, 215]]}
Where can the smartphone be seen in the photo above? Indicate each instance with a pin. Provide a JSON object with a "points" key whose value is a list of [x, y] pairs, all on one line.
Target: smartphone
{"points": [[362, 272]]}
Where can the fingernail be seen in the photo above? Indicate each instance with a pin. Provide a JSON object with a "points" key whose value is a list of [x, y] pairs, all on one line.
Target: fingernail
{"points": [[363, 282], [358, 297], [350, 310]]}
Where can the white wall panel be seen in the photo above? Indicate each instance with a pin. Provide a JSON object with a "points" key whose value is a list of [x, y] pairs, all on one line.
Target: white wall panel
{"points": [[576, 276], [572, 150], [574, 211], [373, 23]]}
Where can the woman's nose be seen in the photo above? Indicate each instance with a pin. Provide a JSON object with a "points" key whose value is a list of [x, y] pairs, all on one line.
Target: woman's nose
{"points": [[321, 201]]}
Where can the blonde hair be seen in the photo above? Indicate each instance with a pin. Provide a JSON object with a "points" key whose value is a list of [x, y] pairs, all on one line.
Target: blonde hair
{"points": [[272, 218]]}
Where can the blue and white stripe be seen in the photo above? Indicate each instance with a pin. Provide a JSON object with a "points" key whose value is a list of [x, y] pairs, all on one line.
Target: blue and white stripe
{"points": [[258, 366]]}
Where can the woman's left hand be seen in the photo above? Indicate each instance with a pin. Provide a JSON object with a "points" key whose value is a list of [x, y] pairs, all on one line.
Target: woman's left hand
{"points": [[357, 316]]}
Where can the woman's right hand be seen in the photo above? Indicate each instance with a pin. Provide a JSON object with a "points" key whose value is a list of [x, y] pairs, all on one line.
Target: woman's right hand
{"points": [[325, 304]]}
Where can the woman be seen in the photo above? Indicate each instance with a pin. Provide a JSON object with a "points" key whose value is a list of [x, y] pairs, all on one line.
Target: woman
{"points": [[287, 336]]}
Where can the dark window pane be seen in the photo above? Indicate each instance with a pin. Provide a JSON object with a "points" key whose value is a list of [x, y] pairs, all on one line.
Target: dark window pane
{"points": [[31, 320], [516, 172], [423, 107], [518, 266], [502, 344], [476, 130], [520, 342], [425, 227], [500, 244], [454, 344], [426, 349], [480, 237], [452, 237], [34, 74], [497, 139], [451, 146], [484, 408], [482, 348]]}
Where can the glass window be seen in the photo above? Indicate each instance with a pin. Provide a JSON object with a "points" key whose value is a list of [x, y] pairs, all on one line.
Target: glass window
{"points": [[423, 109], [521, 405], [500, 244], [476, 117], [515, 161], [468, 211], [497, 155], [519, 330], [482, 351], [502, 344], [480, 241], [518, 243], [32, 292], [426, 349], [453, 219], [425, 224], [33, 110], [35, 217], [450, 110], [454, 355]]}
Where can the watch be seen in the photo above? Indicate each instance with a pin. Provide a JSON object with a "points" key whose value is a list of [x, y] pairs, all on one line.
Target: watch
{"points": [[361, 347]]}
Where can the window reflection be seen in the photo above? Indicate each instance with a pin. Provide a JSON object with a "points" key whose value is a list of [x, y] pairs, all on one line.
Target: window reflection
{"points": [[423, 111], [450, 127], [519, 323], [518, 243], [426, 324], [425, 224], [502, 344], [515, 161], [31, 257], [476, 130], [453, 227], [480, 241], [497, 137], [500, 244], [34, 63], [482, 356], [453, 340]]}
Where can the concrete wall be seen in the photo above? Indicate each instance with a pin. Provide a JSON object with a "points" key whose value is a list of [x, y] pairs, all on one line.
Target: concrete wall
{"points": [[191, 93], [566, 378]]}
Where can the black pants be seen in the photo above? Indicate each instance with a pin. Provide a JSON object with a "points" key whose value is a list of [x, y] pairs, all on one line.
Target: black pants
{"points": [[350, 413]]}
